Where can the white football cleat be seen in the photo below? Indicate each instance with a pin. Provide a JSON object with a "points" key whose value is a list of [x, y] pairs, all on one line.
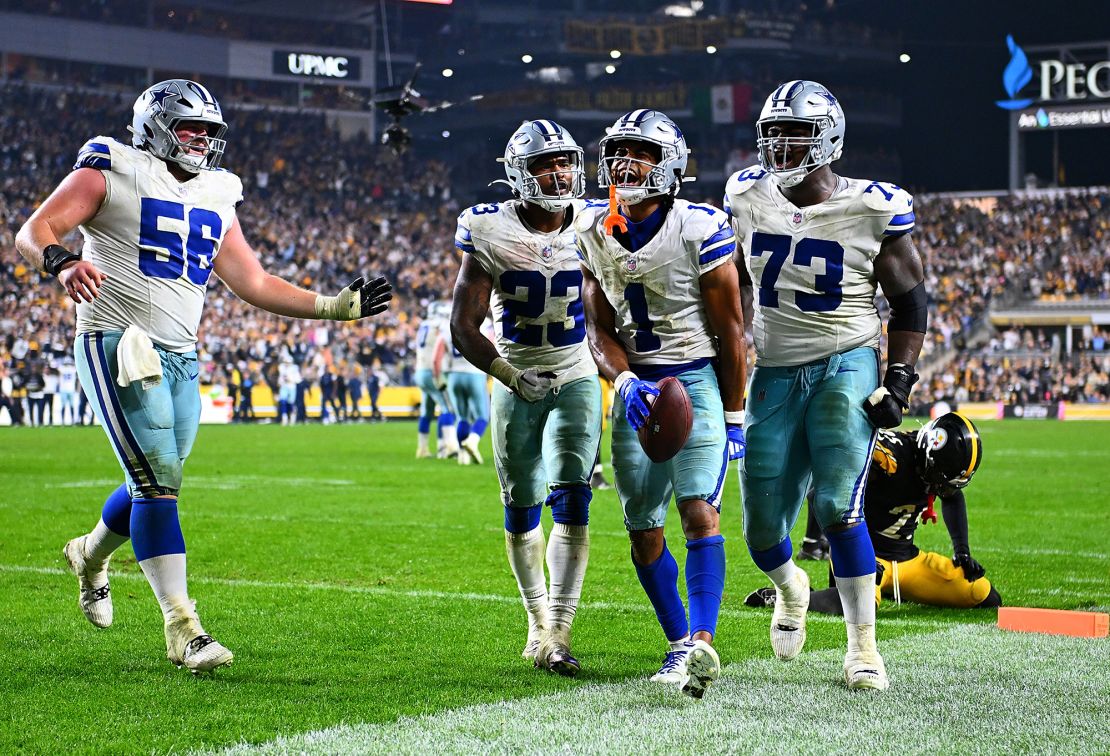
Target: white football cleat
{"points": [[673, 671], [94, 596], [703, 667], [532, 646], [470, 446], [187, 645], [788, 623], [864, 670], [447, 452], [423, 453]]}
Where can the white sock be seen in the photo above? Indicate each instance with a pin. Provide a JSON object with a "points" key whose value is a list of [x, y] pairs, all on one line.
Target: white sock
{"points": [[422, 442], [525, 552], [450, 436], [857, 595], [861, 637], [166, 575], [680, 644], [783, 575], [100, 543], [473, 439], [568, 552]]}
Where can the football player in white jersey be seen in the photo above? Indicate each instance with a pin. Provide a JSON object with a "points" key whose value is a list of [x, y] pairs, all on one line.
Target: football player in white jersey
{"points": [[158, 216], [815, 244], [466, 390], [431, 396], [520, 257], [662, 299]]}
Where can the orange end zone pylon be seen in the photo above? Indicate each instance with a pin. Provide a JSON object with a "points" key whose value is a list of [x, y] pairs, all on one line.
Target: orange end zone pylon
{"points": [[1054, 621]]}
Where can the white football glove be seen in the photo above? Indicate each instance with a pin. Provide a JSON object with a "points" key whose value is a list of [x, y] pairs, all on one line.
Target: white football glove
{"points": [[360, 299], [529, 385]]}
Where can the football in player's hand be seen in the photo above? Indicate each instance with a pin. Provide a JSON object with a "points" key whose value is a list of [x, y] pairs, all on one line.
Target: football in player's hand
{"points": [[669, 422]]}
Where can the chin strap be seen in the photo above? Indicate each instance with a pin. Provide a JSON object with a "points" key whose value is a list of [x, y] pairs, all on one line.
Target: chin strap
{"points": [[614, 218]]}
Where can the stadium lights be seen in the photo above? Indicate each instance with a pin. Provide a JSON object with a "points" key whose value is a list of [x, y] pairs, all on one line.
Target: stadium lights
{"points": [[610, 69], [445, 134], [614, 54], [711, 49], [448, 73], [904, 57], [525, 58]]}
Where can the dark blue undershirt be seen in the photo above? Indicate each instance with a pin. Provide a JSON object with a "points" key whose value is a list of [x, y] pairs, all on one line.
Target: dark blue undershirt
{"points": [[640, 233]]}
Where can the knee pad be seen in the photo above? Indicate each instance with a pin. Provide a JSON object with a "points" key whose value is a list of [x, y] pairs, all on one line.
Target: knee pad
{"points": [[570, 505]]}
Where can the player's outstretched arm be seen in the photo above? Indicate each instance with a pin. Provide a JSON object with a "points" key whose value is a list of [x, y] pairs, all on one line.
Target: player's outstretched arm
{"points": [[238, 267], [900, 272], [953, 508], [720, 291], [76, 201]]}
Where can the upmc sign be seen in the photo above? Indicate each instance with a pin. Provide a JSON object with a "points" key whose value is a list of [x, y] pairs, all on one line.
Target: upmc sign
{"points": [[317, 65], [1061, 82]]}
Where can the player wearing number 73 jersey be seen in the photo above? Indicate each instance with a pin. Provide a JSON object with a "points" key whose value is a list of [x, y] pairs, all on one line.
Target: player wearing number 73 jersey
{"points": [[520, 257], [815, 244], [158, 217]]}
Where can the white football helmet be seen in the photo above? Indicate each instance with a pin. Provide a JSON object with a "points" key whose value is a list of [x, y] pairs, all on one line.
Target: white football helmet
{"points": [[807, 102], [162, 107], [647, 126], [532, 140]]}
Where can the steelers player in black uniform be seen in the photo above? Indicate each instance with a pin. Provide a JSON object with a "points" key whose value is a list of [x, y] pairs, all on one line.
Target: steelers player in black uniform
{"points": [[908, 471]]}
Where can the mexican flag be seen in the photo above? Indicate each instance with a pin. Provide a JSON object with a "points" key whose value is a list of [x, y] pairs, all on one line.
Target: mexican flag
{"points": [[725, 103]]}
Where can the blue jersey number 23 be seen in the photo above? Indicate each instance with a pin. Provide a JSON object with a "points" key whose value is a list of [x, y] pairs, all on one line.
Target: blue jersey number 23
{"points": [[533, 305], [828, 294], [192, 256]]}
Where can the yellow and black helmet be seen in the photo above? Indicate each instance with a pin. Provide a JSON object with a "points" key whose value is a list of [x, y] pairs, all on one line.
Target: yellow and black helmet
{"points": [[950, 450]]}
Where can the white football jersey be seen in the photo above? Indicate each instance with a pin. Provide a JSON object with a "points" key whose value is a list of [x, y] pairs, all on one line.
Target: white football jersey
{"points": [[156, 239], [655, 291], [537, 289], [813, 268], [453, 361], [435, 320]]}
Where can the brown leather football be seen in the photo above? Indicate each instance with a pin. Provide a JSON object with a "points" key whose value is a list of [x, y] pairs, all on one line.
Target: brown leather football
{"points": [[669, 422]]}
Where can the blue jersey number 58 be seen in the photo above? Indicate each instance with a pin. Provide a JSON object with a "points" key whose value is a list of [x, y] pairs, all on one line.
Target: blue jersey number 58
{"points": [[192, 255]]}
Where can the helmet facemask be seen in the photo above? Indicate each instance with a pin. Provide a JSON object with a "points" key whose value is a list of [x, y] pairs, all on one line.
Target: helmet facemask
{"points": [[775, 151], [528, 186], [616, 169]]}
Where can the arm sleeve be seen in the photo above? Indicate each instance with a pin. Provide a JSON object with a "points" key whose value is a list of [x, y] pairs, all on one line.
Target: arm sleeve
{"points": [[954, 510]]}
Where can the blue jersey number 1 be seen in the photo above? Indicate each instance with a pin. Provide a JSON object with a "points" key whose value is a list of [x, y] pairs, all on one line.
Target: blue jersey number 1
{"points": [[646, 340]]}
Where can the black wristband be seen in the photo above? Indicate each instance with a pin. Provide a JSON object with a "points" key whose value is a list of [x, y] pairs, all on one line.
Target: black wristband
{"points": [[899, 380], [55, 256]]}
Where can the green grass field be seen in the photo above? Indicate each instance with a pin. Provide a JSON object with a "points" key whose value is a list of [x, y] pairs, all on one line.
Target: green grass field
{"points": [[368, 602]]}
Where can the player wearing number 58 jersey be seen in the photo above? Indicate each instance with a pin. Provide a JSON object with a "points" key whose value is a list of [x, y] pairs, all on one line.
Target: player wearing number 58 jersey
{"points": [[158, 217], [662, 299], [519, 257], [815, 244]]}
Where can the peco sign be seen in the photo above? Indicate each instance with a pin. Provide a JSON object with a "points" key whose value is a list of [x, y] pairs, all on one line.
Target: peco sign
{"points": [[317, 65], [1059, 81]]}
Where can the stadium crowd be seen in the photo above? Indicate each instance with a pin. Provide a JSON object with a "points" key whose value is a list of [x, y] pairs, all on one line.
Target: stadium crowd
{"points": [[317, 215]]}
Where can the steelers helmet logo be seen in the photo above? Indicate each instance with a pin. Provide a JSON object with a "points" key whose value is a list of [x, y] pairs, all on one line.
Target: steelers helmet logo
{"points": [[938, 439]]}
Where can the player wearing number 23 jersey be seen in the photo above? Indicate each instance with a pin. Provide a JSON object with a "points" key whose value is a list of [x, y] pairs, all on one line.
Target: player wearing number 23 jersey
{"points": [[520, 261], [814, 246], [158, 217]]}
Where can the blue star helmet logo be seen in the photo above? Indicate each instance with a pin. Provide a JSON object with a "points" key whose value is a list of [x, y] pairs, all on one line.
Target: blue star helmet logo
{"points": [[159, 96]]}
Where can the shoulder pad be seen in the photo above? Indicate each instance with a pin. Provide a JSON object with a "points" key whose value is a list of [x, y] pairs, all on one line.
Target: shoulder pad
{"points": [[587, 218], [95, 154], [887, 198], [745, 179]]}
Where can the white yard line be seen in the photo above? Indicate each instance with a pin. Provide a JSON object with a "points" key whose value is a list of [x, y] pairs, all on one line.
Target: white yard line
{"points": [[965, 689]]}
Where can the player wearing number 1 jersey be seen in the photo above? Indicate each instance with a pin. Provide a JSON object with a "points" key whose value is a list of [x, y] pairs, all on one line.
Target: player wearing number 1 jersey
{"points": [[662, 299], [520, 257], [815, 244], [158, 216]]}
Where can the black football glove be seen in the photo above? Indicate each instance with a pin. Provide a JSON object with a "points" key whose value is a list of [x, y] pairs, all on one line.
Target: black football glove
{"points": [[887, 403], [972, 569], [360, 299]]}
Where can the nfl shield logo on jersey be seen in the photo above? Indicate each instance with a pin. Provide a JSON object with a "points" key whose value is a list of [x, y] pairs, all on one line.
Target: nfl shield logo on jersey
{"points": [[797, 219], [546, 252], [631, 263]]}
